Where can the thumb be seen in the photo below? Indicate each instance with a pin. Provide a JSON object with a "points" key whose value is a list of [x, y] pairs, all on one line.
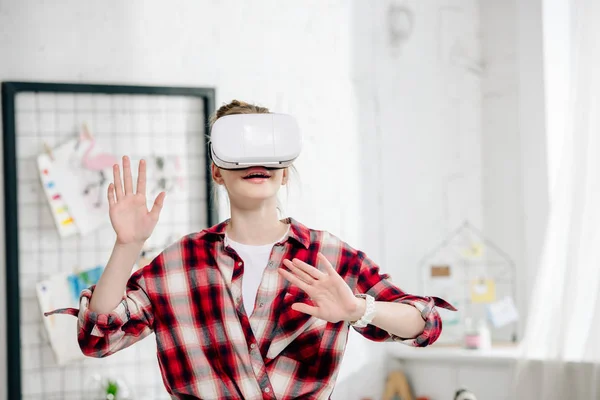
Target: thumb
{"points": [[306, 309], [158, 205]]}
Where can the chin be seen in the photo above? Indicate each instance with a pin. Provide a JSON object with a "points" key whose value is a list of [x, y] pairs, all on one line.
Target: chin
{"points": [[260, 196], [257, 193]]}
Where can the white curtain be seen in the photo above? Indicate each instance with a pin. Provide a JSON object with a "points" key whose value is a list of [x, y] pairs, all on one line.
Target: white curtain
{"points": [[561, 351]]}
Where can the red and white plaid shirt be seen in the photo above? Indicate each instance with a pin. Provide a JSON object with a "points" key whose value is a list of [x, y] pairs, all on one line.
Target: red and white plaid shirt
{"points": [[209, 348]]}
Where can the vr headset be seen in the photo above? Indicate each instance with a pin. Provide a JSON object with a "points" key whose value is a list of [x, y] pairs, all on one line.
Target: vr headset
{"points": [[255, 140]]}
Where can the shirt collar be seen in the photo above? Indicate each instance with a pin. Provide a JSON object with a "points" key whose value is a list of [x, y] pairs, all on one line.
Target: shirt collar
{"points": [[297, 231]]}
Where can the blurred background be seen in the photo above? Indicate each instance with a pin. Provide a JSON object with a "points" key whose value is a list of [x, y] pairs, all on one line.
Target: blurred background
{"points": [[434, 134]]}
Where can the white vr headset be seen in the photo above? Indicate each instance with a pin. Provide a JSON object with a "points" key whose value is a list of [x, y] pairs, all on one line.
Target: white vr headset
{"points": [[251, 140]]}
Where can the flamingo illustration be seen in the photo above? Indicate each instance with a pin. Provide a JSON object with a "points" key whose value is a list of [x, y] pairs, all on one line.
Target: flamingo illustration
{"points": [[96, 163], [167, 174]]}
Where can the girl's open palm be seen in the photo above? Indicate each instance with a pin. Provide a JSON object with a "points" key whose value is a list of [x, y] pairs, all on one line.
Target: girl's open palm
{"points": [[334, 300], [129, 215]]}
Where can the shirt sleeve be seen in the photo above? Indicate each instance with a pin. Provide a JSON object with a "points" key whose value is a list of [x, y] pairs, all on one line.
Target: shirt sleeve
{"points": [[100, 335], [371, 281]]}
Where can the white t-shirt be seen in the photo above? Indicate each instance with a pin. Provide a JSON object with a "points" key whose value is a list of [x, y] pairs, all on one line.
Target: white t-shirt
{"points": [[255, 260]]}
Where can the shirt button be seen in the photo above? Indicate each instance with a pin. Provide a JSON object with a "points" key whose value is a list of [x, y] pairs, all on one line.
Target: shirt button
{"points": [[260, 305], [267, 390], [270, 263], [240, 263], [253, 346]]}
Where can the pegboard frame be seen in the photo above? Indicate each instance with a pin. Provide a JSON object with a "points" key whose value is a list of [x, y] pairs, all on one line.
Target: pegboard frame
{"points": [[11, 205]]}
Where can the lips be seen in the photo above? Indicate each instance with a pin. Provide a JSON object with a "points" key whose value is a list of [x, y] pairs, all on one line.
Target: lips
{"points": [[257, 173]]}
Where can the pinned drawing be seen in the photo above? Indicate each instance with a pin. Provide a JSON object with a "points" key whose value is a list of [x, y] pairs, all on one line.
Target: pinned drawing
{"points": [[483, 291], [97, 162], [82, 280], [63, 290], [81, 170], [474, 251], [164, 174], [65, 224], [503, 312]]}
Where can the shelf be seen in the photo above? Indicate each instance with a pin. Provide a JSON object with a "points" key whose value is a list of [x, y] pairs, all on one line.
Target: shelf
{"points": [[498, 354]]}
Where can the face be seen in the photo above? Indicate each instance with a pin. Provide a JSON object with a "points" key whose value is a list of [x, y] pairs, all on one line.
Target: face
{"points": [[251, 185]]}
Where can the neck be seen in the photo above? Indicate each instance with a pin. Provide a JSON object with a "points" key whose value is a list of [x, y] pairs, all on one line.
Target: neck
{"points": [[255, 227]]}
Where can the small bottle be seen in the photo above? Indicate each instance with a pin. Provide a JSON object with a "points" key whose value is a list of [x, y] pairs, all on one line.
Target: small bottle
{"points": [[485, 336], [472, 337]]}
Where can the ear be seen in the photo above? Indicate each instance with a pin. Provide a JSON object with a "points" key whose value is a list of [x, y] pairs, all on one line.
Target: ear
{"points": [[216, 175], [284, 179]]}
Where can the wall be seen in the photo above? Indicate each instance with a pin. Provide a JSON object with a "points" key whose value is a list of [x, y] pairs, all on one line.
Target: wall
{"points": [[420, 136], [532, 127], [453, 138], [501, 142], [515, 185], [514, 177], [421, 121]]}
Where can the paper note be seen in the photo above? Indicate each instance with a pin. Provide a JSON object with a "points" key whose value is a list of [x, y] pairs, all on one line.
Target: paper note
{"points": [[502, 312], [82, 280], [440, 271], [475, 251], [164, 173], [483, 291], [451, 317], [65, 224], [83, 173], [62, 291], [441, 278]]}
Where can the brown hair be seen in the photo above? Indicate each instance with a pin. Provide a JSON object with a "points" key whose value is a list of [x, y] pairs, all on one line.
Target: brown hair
{"points": [[237, 107]]}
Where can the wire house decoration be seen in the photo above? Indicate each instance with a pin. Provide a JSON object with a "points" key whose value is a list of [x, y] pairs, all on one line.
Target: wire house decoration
{"points": [[471, 272], [168, 127]]}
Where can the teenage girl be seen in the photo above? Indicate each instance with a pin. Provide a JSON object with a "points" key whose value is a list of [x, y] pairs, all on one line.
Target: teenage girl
{"points": [[252, 308]]}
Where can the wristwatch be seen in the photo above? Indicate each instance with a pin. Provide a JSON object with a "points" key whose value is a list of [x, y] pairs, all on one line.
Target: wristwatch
{"points": [[369, 312]]}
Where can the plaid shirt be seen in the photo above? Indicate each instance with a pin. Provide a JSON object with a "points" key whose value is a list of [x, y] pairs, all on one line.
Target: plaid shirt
{"points": [[210, 348]]}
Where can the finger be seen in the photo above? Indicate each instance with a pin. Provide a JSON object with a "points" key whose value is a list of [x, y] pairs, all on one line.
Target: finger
{"points": [[309, 269], [158, 205], [306, 309], [329, 270], [117, 180], [295, 280], [128, 184], [141, 181], [298, 272], [111, 194]]}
